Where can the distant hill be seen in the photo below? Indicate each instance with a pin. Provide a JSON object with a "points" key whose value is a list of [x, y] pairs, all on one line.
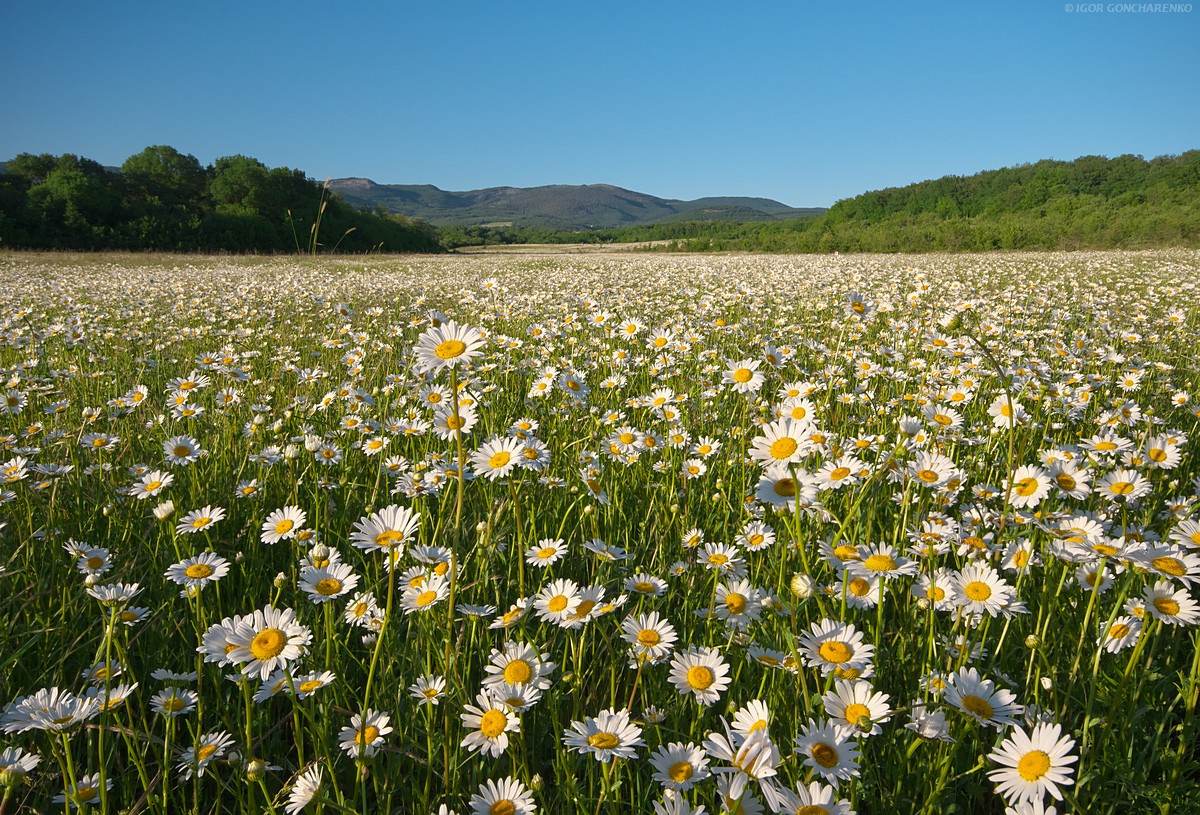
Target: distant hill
{"points": [[560, 206]]}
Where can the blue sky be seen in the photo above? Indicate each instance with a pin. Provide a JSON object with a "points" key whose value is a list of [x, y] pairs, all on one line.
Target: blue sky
{"points": [[806, 103]]}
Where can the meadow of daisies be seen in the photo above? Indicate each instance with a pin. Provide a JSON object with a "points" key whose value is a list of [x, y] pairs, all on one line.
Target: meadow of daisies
{"points": [[592, 534]]}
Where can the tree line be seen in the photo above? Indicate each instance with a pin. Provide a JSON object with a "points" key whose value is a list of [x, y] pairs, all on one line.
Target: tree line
{"points": [[1089, 203], [164, 200], [161, 199]]}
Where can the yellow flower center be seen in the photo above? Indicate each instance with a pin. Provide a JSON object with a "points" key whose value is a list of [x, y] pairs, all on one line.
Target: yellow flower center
{"points": [[1026, 487], [742, 375], [603, 741], [367, 735], [388, 538], [310, 685], [880, 563], [1169, 565], [977, 590], [1033, 765], [449, 349], [284, 526], [680, 771], [1118, 631], [425, 598], [825, 755], [783, 448], [834, 651], [95, 562], [492, 723], [1157, 454], [700, 678], [181, 450], [977, 706], [859, 587], [198, 571], [856, 711], [499, 459], [1121, 487], [201, 522], [204, 752], [1166, 605], [785, 487], [517, 672], [929, 476], [648, 637], [736, 603], [547, 552], [329, 586], [268, 643], [502, 807], [557, 603]]}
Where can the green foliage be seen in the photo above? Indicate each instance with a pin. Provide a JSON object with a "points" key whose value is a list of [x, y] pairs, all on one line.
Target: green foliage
{"points": [[165, 200], [1090, 203]]}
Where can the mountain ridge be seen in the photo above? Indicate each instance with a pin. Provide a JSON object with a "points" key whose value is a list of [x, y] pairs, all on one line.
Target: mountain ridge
{"points": [[562, 206]]}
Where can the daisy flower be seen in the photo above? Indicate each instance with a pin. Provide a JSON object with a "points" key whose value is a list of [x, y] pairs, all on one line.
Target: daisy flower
{"points": [[678, 766], [1029, 485], [546, 552], [308, 684], [557, 602], [199, 520], [365, 734], [283, 524], [497, 457], [304, 788], [182, 450], [197, 572], [979, 699], [152, 484], [1120, 634], [701, 672], [785, 441], [1122, 485], [488, 725], [268, 639], [506, 797], [446, 346], [849, 703], [388, 529], [814, 798], [830, 645], [329, 583], [85, 792], [1170, 605], [747, 758], [1033, 764], [980, 589], [743, 376], [831, 755], [607, 736], [518, 664], [649, 636], [428, 690], [197, 757], [425, 596]]}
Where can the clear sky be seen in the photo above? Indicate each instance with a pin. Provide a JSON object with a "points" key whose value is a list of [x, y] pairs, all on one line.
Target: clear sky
{"points": [[803, 102]]}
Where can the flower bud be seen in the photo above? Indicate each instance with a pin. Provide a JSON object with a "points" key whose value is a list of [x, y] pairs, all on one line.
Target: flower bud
{"points": [[256, 769], [536, 783], [589, 509], [12, 777], [280, 580], [320, 552], [92, 580], [1032, 641], [164, 510], [802, 585]]}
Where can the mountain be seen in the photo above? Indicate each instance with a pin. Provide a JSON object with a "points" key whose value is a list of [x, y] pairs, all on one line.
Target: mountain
{"points": [[562, 206]]}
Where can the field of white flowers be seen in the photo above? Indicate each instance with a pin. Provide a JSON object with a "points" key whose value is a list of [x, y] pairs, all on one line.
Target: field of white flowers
{"points": [[600, 534]]}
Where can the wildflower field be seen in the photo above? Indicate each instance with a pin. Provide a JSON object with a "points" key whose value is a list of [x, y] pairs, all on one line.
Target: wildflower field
{"points": [[600, 534]]}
